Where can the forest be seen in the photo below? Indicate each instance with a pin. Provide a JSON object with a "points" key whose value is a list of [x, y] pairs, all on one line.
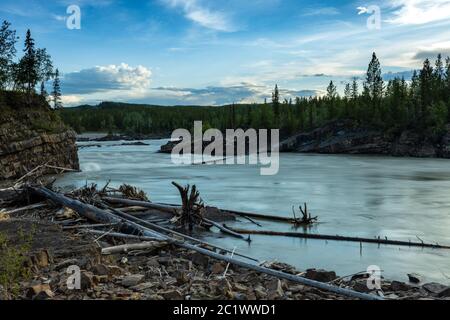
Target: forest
{"points": [[421, 104]]}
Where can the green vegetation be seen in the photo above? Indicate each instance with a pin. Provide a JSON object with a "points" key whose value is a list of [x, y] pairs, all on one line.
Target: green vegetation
{"points": [[422, 104], [25, 73], [13, 261]]}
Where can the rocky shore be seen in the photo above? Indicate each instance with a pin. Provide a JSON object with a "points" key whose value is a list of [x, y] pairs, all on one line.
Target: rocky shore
{"points": [[343, 137], [32, 135], [161, 273]]}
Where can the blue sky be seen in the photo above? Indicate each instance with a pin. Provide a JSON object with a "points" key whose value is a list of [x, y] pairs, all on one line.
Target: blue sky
{"points": [[216, 52]]}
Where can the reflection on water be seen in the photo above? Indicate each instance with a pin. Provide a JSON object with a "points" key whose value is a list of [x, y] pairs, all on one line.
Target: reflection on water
{"points": [[352, 195]]}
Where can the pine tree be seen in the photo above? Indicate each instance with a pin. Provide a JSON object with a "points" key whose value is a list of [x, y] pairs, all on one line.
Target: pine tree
{"points": [[348, 92], [426, 90], [8, 41], [373, 89], [276, 103], [355, 90], [28, 66], [56, 93], [331, 97], [374, 80], [43, 91]]}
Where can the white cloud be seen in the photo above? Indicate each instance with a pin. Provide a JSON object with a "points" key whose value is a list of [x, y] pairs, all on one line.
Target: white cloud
{"points": [[201, 15], [106, 78], [416, 12]]}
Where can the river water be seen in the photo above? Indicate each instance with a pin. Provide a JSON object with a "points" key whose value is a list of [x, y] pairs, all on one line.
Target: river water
{"points": [[366, 196]]}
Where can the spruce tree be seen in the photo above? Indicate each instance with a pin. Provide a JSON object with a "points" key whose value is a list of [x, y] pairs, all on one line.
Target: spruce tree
{"points": [[56, 93], [348, 92], [28, 66], [426, 90], [8, 41], [276, 103], [355, 90]]}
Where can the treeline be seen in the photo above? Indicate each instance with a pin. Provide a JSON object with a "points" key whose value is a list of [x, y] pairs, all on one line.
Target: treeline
{"points": [[29, 72], [421, 104]]}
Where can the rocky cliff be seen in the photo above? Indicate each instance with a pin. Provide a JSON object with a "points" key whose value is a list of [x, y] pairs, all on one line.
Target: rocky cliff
{"points": [[344, 137], [32, 135]]}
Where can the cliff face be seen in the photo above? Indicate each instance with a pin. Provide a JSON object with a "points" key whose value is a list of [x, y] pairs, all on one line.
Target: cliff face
{"points": [[31, 136], [342, 137]]}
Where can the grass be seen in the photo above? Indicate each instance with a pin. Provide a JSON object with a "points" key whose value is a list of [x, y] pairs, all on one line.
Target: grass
{"points": [[13, 262]]}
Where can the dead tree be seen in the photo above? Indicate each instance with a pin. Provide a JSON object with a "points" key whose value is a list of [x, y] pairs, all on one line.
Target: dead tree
{"points": [[191, 206]]}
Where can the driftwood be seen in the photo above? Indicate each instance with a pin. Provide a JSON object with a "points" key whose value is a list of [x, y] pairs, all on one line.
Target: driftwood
{"points": [[89, 226], [339, 238], [226, 230], [99, 215], [147, 246], [176, 233], [145, 204], [30, 207]]}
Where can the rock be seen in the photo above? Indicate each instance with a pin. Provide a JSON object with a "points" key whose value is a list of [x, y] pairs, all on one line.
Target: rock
{"points": [[165, 261], [200, 259], [399, 286], [415, 278], [444, 293], [44, 295], [181, 276], [132, 280], [260, 292], [42, 259], [86, 280], [172, 295], [115, 271], [37, 289], [297, 289], [434, 288], [65, 264], [361, 286], [100, 270], [217, 268], [320, 275], [275, 288], [143, 286]]}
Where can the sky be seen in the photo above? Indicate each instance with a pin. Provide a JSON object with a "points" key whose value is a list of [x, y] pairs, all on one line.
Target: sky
{"points": [[210, 52]]}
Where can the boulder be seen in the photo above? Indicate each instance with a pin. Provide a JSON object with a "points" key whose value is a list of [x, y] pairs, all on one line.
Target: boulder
{"points": [[434, 288], [320, 275], [415, 278], [399, 286], [132, 280]]}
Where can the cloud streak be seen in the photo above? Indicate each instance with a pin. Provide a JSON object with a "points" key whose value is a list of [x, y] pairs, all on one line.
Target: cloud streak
{"points": [[200, 15]]}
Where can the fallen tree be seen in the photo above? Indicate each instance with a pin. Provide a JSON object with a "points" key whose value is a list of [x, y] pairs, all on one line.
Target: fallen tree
{"points": [[102, 216], [339, 238]]}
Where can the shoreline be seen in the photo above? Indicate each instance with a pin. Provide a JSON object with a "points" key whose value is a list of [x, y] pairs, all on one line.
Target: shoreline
{"points": [[164, 271]]}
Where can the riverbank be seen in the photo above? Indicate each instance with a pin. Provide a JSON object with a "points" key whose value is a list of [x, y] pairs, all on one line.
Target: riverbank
{"points": [[164, 272], [160, 271], [344, 137]]}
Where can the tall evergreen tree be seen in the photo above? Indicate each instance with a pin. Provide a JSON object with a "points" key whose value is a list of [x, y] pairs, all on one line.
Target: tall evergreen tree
{"points": [[348, 92], [8, 41], [276, 103], [56, 93], [28, 66], [355, 89], [373, 88], [426, 90]]}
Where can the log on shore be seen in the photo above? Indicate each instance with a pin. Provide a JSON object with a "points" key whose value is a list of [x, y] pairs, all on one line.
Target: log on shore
{"points": [[339, 238], [145, 246], [99, 215]]}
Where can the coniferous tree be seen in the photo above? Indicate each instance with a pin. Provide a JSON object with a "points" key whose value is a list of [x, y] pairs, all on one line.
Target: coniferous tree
{"points": [[373, 88], [28, 67], [348, 92], [8, 41], [56, 93], [43, 91], [355, 90], [426, 91], [276, 103]]}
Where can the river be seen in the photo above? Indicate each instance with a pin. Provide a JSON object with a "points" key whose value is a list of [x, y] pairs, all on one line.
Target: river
{"points": [[366, 196]]}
